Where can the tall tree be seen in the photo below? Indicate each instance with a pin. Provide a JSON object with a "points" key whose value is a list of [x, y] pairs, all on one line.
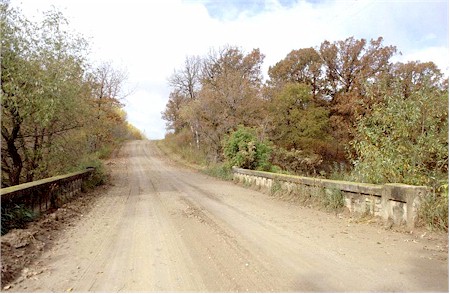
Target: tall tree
{"points": [[50, 104], [299, 66], [349, 65], [186, 84], [107, 92], [42, 80], [172, 112], [229, 95], [186, 81], [415, 75]]}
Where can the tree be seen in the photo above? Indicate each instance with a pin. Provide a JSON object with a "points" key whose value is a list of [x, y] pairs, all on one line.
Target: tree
{"points": [[299, 66], [106, 86], [297, 122], [230, 61], [349, 66], [414, 75], [186, 81], [186, 84], [229, 96], [243, 149], [42, 69], [339, 75], [172, 115], [51, 102], [301, 130], [404, 140]]}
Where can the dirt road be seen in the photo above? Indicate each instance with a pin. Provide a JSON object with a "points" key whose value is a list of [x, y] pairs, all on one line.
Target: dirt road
{"points": [[161, 227]]}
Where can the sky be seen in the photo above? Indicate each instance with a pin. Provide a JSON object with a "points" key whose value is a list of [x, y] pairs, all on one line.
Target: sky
{"points": [[149, 39]]}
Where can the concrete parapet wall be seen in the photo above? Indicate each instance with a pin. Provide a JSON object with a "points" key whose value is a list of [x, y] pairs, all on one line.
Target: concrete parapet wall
{"points": [[44, 194], [397, 203]]}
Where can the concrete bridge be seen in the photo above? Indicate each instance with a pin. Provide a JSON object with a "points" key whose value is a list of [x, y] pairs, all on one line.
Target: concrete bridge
{"points": [[162, 227]]}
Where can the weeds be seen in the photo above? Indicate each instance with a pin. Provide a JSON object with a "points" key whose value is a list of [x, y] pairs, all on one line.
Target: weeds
{"points": [[332, 199], [99, 175], [184, 152], [16, 217], [275, 187], [220, 171], [433, 212], [247, 183]]}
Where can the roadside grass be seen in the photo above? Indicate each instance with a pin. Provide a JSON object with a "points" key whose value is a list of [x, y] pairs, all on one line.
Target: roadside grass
{"points": [[275, 187], [433, 213], [194, 158], [183, 154], [16, 218], [220, 171], [332, 199]]}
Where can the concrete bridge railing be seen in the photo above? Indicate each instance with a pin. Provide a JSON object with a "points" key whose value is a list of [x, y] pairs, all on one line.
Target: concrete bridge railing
{"points": [[397, 203], [44, 194]]}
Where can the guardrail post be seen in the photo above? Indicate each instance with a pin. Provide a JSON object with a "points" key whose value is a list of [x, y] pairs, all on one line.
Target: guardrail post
{"points": [[405, 204]]}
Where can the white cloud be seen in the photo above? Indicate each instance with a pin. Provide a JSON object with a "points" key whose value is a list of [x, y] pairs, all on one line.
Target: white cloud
{"points": [[144, 110], [438, 55], [152, 38]]}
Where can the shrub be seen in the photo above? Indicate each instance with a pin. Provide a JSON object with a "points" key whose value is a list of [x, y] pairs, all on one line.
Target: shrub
{"points": [[98, 177], [404, 140], [243, 149], [296, 161]]}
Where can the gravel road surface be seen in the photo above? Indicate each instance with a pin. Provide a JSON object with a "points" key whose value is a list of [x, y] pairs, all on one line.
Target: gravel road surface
{"points": [[161, 227]]}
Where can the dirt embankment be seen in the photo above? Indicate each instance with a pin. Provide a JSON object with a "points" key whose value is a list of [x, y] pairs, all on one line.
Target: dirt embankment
{"points": [[161, 227], [21, 247]]}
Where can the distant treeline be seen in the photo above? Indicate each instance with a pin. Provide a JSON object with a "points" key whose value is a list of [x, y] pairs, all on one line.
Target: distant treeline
{"points": [[342, 107], [59, 112]]}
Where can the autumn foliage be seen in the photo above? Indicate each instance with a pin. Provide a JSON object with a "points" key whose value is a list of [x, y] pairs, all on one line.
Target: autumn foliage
{"points": [[58, 111], [316, 107]]}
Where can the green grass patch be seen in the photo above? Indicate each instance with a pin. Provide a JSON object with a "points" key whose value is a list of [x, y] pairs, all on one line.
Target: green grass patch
{"points": [[16, 217], [221, 171]]}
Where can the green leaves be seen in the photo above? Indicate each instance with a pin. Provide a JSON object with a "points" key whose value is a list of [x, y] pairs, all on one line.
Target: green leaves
{"points": [[243, 149], [51, 110], [404, 139], [297, 122]]}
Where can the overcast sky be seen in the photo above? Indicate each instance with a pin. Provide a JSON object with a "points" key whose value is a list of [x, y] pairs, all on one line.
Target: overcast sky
{"points": [[152, 38]]}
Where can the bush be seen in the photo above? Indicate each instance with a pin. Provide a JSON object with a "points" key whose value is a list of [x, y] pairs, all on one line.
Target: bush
{"points": [[296, 161], [243, 149], [404, 140], [98, 177]]}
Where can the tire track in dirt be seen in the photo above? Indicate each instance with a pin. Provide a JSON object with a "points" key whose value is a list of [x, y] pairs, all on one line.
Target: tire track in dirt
{"points": [[162, 228]]}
